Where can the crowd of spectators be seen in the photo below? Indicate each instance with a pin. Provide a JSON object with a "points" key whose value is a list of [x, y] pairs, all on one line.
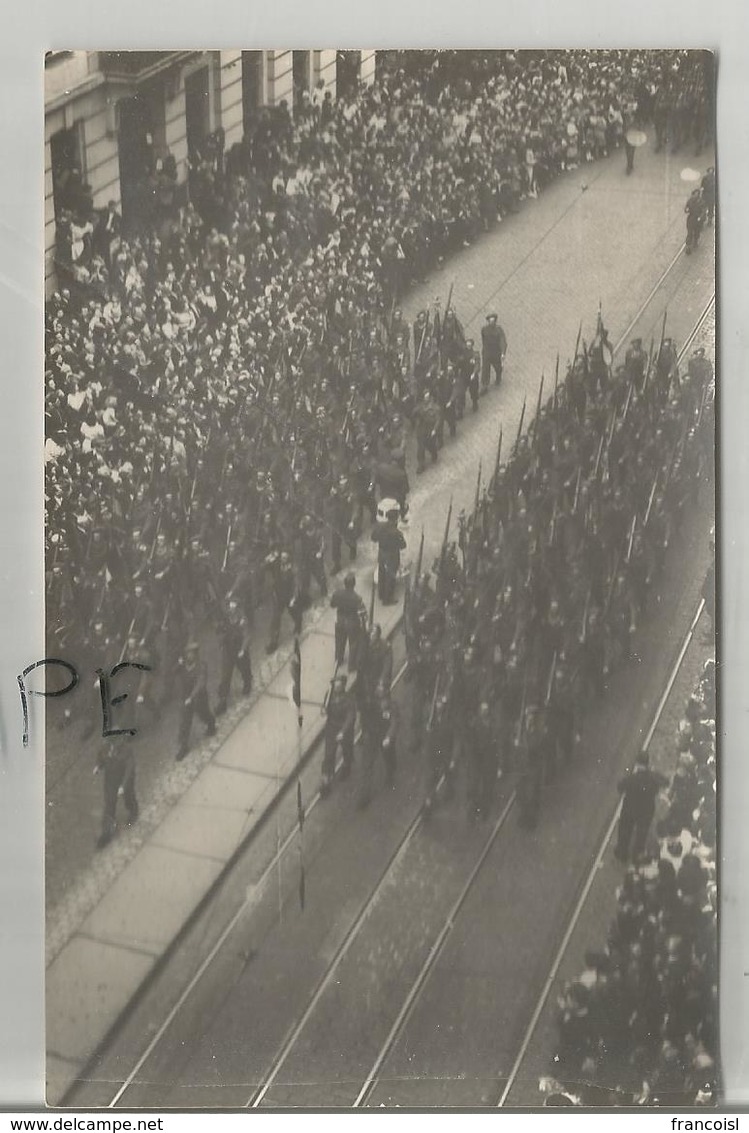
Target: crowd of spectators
{"points": [[639, 1025], [223, 372]]}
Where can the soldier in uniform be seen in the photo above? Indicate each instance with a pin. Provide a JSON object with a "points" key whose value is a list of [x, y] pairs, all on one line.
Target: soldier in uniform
{"points": [[493, 350], [235, 653], [311, 557], [390, 543], [635, 363], [532, 752], [422, 672], [194, 686], [440, 750], [284, 596], [482, 768], [339, 732], [117, 763], [448, 397], [349, 608], [471, 374], [427, 421], [379, 735], [376, 665]]}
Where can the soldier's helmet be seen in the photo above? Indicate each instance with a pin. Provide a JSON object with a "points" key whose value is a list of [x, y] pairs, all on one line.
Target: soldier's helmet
{"points": [[350, 580]]}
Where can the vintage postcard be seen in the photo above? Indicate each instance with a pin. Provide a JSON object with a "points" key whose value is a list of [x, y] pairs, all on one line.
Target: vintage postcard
{"points": [[380, 559]]}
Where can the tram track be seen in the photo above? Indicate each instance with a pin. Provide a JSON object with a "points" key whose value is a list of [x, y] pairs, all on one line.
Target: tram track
{"points": [[365, 1091]]}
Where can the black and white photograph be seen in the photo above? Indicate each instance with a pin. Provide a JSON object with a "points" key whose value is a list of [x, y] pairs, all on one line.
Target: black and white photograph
{"points": [[379, 692]]}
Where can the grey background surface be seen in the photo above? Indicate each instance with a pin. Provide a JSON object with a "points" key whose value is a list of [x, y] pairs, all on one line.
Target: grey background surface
{"points": [[722, 25]]}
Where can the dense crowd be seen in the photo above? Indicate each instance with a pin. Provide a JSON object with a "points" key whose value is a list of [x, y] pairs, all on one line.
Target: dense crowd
{"points": [[230, 384], [639, 1025]]}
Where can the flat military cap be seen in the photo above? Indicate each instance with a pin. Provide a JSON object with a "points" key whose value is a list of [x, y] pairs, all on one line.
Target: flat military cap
{"points": [[491, 318]]}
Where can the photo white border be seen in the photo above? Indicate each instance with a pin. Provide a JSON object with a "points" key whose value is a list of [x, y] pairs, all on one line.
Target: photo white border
{"points": [[722, 25]]}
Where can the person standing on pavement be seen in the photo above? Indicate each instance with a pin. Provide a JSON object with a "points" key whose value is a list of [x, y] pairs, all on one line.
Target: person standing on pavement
{"points": [[339, 732], [639, 789], [194, 681], [118, 766], [349, 607], [390, 543], [493, 350]]}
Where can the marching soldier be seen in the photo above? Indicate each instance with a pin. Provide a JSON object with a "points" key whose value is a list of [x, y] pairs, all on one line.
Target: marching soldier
{"points": [[349, 608], [376, 665], [379, 733], [285, 596], [440, 750], [194, 687], [235, 654], [345, 521], [635, 363], [532, 754], [339, 733], [311, 557], [427, 421], [471, 374], [422, 672], [482, 768], [493, 350]]}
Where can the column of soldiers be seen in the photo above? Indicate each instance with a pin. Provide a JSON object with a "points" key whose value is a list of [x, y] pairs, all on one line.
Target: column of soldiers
{"points": [[268, 490], [527, 614]]}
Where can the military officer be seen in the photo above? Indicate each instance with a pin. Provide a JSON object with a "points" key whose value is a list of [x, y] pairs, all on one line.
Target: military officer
{"points": [[493, 350]]}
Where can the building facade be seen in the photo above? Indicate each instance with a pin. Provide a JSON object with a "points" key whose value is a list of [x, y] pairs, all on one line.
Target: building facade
{"points": [[111, 115]]}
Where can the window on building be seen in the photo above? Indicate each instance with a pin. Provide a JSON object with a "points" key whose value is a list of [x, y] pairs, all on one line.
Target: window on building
{"points": [[301, 74], [68, 173], [197, 109], [136, 157], [347, 73], [252, 85]]}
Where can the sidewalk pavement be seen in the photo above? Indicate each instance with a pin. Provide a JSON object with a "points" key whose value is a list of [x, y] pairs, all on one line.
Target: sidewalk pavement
{"points": [[560, 256]]}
